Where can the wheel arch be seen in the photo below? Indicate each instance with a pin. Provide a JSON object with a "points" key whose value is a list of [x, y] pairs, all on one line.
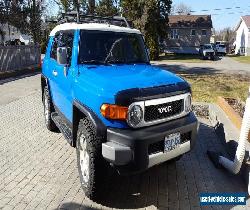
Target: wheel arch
{"points": [[81, 111]]}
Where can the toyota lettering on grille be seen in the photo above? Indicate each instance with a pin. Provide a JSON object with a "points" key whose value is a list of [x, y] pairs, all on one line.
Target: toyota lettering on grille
{"points": [[166, 109]]}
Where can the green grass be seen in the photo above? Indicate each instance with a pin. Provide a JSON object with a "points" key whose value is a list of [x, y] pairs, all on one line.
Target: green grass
{"points": [[242, 59], [207, 88], [187, 58]]}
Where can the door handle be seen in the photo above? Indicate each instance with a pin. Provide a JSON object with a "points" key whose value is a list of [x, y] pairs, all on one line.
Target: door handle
{"points": [[54, 72]]}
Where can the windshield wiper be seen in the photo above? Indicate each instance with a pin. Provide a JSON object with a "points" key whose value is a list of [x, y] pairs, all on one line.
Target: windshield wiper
{"points": [[135, 62], [114, 62], [94, 62]]}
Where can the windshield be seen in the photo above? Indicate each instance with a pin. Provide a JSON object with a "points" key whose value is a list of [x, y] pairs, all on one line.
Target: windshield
{"points": [[104, 47], [208, 46]]}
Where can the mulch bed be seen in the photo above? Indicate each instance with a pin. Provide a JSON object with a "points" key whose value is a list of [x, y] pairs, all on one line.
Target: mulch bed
{"points": [[237, 105]]}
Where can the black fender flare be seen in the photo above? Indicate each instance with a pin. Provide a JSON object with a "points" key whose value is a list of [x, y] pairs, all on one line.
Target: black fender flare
{"points": [[80, 110]]}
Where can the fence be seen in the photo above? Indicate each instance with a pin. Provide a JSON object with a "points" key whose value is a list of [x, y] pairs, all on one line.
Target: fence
{"points": [[14, 58]]}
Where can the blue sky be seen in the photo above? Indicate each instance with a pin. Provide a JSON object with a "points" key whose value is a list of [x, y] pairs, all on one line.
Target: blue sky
{"points": [[222, 19]]}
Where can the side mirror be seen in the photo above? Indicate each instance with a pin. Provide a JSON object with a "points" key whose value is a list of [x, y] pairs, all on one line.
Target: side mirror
{"points": [[62, 56]]}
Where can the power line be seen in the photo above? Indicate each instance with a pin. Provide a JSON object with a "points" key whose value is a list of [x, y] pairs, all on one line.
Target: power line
{"points": [[219, 9]]}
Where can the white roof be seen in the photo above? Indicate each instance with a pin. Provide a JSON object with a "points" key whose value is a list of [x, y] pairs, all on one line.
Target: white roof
{"points": [[92, 26]]}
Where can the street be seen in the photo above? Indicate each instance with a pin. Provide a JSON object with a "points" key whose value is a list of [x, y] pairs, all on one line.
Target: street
{"points": [[38, 168], [225, 65]]}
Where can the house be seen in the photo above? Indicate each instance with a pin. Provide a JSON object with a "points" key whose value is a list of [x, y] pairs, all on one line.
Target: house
{"points": [[9, 32], [188, 32], [242, 41]]}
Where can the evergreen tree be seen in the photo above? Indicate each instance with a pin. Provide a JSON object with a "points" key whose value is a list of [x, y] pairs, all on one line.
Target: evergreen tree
{"points": [[24, 15], [106, 8], [151, 17]]}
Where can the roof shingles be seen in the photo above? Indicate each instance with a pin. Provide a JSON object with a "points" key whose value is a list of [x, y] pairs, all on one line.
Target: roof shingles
{"points": [[246, 20], [190, 21]]}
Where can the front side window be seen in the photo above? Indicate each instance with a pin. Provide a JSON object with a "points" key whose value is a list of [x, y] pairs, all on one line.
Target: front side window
{"points": [[53, 51], [204, 32], [102, 47], [63, 39]]}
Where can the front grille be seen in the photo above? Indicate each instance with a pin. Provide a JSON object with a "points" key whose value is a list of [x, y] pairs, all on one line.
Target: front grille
{"points": [[159, 146], [153, 113]]}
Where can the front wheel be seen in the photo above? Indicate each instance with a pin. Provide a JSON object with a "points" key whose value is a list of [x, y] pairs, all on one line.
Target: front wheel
{"points": [[89, 159], [47, 104]]}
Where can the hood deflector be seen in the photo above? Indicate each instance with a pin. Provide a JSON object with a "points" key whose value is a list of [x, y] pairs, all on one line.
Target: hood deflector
{"points": [[126, 97]]}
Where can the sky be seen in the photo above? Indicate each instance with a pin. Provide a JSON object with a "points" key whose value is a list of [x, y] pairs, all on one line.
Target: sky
{"points": [[217, 8]]}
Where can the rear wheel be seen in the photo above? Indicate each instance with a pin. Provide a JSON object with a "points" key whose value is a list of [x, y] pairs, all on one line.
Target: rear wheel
{"points": [[89, 159]]}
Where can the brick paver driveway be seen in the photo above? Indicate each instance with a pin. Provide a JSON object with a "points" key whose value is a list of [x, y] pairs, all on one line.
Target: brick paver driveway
{"points": [[38, 168]]}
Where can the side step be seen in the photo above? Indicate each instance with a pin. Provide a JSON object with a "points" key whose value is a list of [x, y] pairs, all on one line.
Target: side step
{"points": [[63, 127]]}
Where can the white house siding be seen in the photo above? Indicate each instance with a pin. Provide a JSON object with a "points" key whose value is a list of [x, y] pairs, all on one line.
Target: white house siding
{"points": [[242, 39], [11, 33], [248, 44]]}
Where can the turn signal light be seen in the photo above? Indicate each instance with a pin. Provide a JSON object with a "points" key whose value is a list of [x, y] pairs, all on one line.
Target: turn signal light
{"points": [[114, 112]]}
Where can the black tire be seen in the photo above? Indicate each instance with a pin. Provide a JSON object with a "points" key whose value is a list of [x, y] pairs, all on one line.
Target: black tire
{"points": [[178, 158], [48, 109], [87, 140]]}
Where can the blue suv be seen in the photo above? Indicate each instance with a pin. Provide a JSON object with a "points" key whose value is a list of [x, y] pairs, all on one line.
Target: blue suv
{"points": [[100, 91]]}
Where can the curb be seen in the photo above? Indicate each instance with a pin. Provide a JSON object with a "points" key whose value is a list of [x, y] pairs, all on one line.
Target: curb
{"points": [[6, 75], [231, 114]]}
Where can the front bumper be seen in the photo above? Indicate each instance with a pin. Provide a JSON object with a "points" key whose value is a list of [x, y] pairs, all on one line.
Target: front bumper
{"points": [[133, 151]]}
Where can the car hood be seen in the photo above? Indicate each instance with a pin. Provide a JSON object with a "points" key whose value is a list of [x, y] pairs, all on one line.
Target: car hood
{"points": [[115, 78]]}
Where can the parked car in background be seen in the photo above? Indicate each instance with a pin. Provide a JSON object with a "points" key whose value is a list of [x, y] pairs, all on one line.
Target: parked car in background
{"points": [[207, 52], [221, 49]]}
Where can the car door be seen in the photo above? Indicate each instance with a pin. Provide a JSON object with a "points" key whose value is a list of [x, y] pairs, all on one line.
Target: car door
{"points": [[62, 75]]}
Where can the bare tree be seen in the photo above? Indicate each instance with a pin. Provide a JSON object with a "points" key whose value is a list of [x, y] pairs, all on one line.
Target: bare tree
{"points": [[182, 9], [226, 34]]}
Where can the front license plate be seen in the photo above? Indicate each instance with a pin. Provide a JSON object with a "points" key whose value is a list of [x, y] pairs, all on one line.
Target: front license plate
{"points": [[172, 141]]}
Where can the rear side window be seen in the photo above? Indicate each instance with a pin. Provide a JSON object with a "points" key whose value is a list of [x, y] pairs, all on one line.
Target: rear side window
{"points": [[63, 39]]}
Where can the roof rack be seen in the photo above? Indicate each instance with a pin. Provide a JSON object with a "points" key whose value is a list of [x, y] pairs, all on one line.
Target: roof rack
{"points": [[73, 17]]}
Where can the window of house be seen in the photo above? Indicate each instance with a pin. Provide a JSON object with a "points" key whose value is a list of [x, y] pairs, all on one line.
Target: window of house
{"points": [[193, 32], [174, 34], [204, 32]]}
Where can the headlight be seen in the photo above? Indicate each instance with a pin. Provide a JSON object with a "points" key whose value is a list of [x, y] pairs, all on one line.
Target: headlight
{"points": [[188, 104], [135, 115]]}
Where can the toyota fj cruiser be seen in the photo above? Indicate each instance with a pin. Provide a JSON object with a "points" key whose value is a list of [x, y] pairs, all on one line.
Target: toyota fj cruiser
{"points": [[100, 91]]}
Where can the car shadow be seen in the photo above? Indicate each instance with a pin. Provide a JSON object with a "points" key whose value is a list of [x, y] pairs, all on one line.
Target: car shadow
{"points": [[171, 185], [182, 69]]}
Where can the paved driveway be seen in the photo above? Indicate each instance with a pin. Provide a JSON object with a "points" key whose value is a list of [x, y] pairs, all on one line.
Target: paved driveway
{"points": [[38, 167], [225, 65]]}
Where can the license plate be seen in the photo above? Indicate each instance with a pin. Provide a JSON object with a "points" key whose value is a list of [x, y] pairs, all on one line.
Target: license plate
{"points": [[172, 141]]}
